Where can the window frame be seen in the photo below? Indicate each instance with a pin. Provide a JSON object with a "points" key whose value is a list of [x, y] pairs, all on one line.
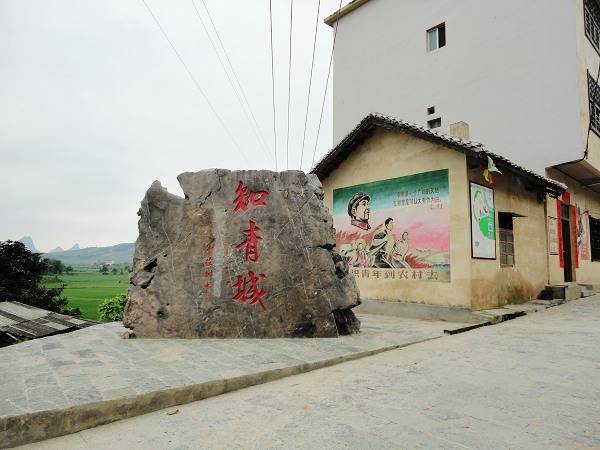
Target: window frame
{"points": [[506, 238], [593, 103], [439, 27], [591, 23], [594, 250], [436, 120]]}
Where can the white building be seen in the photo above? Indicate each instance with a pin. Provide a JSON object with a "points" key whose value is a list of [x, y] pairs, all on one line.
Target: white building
{"points": [[516, 71], [522, 74]]}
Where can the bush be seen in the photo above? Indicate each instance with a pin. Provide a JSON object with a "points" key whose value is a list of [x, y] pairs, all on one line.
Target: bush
{"points": [[76, 312], [111, 309]]}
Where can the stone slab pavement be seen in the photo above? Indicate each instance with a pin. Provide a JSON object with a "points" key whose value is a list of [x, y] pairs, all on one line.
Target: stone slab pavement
{"points": [[70, 382], [529, 383]]}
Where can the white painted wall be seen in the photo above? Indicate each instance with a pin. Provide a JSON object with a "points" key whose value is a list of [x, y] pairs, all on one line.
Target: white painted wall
{"points": [[509, 68]]}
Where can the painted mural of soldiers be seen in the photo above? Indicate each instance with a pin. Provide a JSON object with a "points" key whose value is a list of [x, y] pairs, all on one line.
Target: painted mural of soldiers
{"points": [[358, 210], [382, 246]]}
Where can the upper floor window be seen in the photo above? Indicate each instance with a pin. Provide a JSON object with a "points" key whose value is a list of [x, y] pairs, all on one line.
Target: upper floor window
{"points": [[436, 37], [591, 17], [434, 123], [594, 104]]}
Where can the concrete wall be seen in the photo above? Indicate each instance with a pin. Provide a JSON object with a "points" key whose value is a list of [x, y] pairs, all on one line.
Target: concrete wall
{"points": [[587, 202], [493, 285], [510, 69], [390, 154]]}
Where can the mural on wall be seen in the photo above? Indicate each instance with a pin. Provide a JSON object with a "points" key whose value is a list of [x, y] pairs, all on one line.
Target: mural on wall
{"points": [[397, 228], [483, 222], [583, 239]]}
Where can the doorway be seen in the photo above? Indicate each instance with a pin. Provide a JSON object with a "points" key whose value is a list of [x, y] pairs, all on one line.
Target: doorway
{"points": [[566, 244]]}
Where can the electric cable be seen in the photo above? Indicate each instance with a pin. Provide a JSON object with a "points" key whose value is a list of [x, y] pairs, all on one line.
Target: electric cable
{"points": [[312, 63], [337, 18], [196, 83]]}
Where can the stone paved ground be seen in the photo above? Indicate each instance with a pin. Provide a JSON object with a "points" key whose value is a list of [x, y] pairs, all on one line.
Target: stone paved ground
{"points": [[95, 364], [530, 383]]}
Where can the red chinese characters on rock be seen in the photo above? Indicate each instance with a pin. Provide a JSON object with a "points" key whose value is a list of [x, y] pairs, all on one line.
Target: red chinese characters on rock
{"points": [[251, 243], [242, 198], [246, 288]]}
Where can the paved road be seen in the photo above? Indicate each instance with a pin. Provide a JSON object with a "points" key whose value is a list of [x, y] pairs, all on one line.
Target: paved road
{"points": [[531, 383]]}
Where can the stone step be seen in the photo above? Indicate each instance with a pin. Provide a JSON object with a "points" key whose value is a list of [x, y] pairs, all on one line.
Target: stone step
{"points": [[568, 292]]}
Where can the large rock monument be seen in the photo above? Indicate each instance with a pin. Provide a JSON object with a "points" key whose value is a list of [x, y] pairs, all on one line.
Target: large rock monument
{"points": [[246, 254]]}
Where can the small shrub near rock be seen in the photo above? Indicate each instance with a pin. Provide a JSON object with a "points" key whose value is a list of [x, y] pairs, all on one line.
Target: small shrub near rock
{"points": [[111, 309]]}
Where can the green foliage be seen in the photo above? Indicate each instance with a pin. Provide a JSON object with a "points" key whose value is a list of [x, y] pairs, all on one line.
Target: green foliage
{"points": [[21, 273], [103, 268], [114, 271], [71, 311], [86, 288], [54, 266], [69, 269], [111, 309]]}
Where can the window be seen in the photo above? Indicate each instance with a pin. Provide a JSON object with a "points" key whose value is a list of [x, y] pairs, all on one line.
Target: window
{"points": [[431, 110], [594, 104], [595, 238], [436, 37], [507, 242], [591, 17], [434, 123]]}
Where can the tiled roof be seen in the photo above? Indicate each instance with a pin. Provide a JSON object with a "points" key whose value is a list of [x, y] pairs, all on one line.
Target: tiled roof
{"points": [[21, 322], [365, 128]]}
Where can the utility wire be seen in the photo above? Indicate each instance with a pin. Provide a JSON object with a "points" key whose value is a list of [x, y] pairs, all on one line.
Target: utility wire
{"points": [[287, 144], [196, 83], [273, 82], [235, 76], [327, 82], [312, 63], [261, 144]]}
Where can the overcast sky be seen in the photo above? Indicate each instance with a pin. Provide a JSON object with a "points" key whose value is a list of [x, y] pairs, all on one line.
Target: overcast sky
{"points": [[94, 105]]}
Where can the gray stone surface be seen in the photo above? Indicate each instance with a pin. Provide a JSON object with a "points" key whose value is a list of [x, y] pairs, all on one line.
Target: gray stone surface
{"points": [[70, 382], [194, 276], [530, 383]]}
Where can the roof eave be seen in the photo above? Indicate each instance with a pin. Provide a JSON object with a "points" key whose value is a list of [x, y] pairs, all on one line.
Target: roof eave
{"points": [[334, 17]]}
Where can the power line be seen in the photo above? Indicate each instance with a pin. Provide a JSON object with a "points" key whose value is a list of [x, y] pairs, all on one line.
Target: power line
{"points": [[235, 76], [287, 145], [327, 82], [273, 82], [312, 63], [185, 66], [236, 93]]}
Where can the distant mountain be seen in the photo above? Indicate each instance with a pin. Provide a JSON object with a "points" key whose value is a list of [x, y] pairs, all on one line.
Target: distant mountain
{"points": [[116, 254], [75, 247], [57, 249], [28, 243]]}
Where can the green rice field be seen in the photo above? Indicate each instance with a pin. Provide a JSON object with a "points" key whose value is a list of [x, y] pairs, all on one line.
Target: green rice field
{"points": [[86, 287]]}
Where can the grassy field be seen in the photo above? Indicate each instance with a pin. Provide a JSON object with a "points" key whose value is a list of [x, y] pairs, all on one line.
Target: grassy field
{"points": [[86, 287]]}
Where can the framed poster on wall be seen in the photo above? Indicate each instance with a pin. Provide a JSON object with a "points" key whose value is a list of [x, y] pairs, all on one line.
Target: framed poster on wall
{"points": [[483, 222], [552, 236]]}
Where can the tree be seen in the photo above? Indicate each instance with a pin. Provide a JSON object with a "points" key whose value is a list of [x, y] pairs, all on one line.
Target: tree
{"points": [[111, 309], [114, 271], [104, 268], [21, 272], [54, 266], [69, 269]]}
